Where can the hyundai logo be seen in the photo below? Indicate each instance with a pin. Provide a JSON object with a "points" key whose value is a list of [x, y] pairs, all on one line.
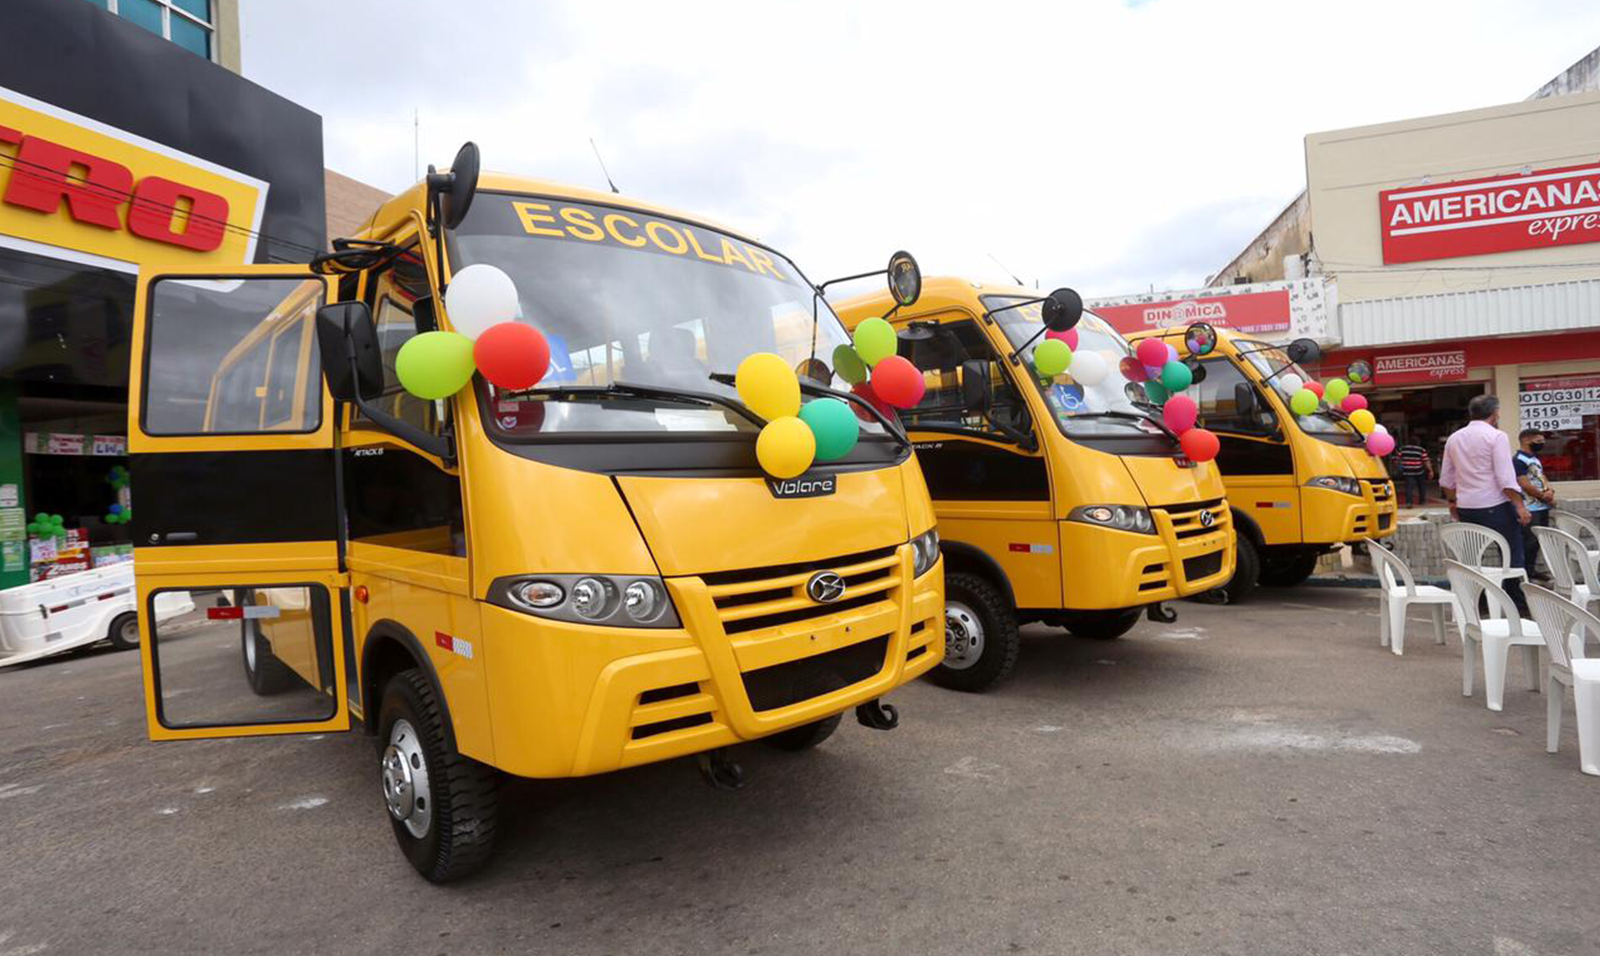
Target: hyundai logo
{"points": [[825, 587], [1207, 519]]}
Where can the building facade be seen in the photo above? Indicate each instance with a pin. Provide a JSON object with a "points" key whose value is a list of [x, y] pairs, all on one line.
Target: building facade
{"points": [[177, 163]]}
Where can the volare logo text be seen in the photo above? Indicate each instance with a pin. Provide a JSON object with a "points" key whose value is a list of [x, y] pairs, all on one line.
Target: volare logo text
{"points": [[804, 486]]}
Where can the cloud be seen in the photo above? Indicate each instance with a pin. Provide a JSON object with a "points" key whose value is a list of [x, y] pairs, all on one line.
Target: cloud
{"points": [[1088, 144]]}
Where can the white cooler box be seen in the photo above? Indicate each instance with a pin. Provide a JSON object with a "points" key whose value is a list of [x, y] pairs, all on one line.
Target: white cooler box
{"points": [[58, 614]]}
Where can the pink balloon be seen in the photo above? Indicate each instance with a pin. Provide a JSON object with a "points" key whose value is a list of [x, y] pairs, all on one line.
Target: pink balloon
{"points": [[1380, 443], [1133, 370], [1179, 413], [1070, 337], [1152, 352], [1352, 402], [1315, 387]]}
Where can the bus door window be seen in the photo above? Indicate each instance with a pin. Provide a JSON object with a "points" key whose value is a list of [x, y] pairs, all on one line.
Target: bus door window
{"points": [[942, 406], [1219, 409]]}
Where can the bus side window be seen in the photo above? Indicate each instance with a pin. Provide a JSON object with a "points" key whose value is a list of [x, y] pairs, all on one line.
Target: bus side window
{"points": [[391, 293], [1218, 409], [941, 405]]}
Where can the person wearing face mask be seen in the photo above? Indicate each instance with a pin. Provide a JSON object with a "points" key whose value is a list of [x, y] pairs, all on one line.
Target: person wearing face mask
{"points": [[1536, 494]]}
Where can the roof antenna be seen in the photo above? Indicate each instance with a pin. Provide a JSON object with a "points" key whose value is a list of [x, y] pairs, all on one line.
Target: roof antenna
{"points": [[603, 168], [1008, 272]]}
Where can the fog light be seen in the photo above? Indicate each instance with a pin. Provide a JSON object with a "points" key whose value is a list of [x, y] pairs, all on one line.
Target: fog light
{"points": [[642, 601], [592, 598], [537, 594]]}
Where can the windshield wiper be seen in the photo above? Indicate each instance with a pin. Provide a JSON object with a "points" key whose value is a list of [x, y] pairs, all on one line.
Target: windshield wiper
{"points": [[811, 388], [1129, 416], [659, 392]]}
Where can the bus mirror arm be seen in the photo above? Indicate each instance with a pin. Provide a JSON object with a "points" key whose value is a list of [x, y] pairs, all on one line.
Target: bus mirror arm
{"points": [[441, 447]]}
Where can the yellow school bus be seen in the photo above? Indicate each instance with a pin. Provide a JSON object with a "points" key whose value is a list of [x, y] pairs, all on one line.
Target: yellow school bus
{"points": [[582, 576], [1057, 502], [1299, 486]]}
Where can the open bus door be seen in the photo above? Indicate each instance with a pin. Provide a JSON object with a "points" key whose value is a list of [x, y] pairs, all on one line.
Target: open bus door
{"points": [[230, 438]]}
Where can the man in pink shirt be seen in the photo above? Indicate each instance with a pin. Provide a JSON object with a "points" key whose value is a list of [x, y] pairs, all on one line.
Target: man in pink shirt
{"points": [[1481, 486]]}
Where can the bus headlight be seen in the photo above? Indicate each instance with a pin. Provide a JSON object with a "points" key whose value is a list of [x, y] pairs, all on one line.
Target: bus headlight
{"points": [[924, 552], [1349, 486], [619, 600], [1122, 517]]}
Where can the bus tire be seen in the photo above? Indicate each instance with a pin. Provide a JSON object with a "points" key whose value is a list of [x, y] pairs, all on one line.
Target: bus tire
{"points": [[1103, 625], [124, 631], [980, 634], [267, 675], [1287, 567], [804, 737], [1246, 571], [450, 802]]}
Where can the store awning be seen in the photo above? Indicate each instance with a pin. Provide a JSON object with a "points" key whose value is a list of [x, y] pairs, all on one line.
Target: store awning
{"points": [[1479, 313]]}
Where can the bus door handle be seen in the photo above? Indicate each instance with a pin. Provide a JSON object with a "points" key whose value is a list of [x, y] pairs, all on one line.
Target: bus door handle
{"points": [[176, 537]]}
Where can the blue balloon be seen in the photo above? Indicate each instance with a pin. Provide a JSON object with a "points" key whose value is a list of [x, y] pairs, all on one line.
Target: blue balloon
{"points": [[115, 509]]}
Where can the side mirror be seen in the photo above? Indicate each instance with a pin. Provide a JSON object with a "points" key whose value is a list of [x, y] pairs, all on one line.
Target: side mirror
{"points": [[456, 188], [1359, 371], [976, 394], [345, 331], [905, 279], [1301, 351], [930, 347], [1062, 309]]}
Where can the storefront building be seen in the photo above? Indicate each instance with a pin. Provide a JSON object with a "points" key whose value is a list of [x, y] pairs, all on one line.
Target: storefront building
{"points": [[1465, 250], [125, 144]]}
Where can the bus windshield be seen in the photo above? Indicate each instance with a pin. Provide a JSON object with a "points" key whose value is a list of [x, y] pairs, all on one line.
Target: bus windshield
{"points": [[625, 296], [1103, 409], [1273, 361]]}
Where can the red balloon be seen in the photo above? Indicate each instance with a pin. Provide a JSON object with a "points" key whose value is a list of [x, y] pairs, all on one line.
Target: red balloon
{"points": [[1070, 337], [1179, 413], [897, 381], [1152, 352], [1133, 370], [1315, 387], [512, 355], [864, 389], [1199, 444], [1352, 402]]}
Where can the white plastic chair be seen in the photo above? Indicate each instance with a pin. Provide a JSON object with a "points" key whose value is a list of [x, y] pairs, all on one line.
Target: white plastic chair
{"points": [[1495, 634], [1565, 626], [1398, 590], [1581, 528], [1570, 565], [1468, 543]]}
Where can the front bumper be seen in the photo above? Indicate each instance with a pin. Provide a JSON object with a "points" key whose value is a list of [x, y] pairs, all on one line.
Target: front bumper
{"points": [[1333, 517], [1107, 569], [737, 671]]}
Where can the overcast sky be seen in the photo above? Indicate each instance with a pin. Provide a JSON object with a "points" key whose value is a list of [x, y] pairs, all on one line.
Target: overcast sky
{"points": [[1111, 146]]}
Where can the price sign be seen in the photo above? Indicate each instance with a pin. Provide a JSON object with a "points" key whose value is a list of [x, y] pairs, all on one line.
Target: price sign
{"points": [[1558, 404]]}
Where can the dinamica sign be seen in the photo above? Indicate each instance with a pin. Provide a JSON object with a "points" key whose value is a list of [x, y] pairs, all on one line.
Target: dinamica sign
{"points": [[1544, 207], [1246, 312]]}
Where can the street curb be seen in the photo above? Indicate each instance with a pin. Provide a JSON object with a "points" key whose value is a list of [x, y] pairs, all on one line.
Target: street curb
{"points": [[1363, 581]]}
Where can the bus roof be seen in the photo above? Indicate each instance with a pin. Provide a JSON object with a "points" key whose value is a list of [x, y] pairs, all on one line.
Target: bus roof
{"points": [[939, 294]]}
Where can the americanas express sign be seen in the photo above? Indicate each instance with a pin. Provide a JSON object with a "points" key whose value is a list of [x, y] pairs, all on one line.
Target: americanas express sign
{"points": [[1543, 207]]}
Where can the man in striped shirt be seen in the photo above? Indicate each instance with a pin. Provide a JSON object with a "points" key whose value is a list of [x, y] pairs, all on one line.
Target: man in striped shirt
{"points": [[1416, 470]]}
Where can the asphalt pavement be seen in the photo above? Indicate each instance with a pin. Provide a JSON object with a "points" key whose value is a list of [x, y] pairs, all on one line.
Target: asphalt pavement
{"points": [[1259, 779]]}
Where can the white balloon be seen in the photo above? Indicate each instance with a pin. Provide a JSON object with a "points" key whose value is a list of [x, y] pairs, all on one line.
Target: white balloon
{"points": [[1290, 383], [1379, 429], [1089, 368], [1094, 401], [480, 296]]}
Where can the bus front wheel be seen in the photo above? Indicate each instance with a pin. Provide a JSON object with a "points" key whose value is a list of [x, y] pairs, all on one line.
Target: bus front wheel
{"points": [[267, 675], [804, 737], [1246, 571], [1287, 567], [444, 807], [981, 641], [1103, 625]]}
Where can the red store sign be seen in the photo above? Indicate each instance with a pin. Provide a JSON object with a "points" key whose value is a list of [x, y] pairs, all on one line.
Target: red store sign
{"points": [[1420, 368], [1245, 312], [1534, 210]]}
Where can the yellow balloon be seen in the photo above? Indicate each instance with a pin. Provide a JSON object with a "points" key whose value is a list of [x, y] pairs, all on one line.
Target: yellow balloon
{"points": [[1363, 420], [768, 385], [786, 447]]}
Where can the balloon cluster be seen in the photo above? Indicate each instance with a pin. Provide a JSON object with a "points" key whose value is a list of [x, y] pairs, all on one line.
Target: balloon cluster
{"points": [[118, 477], [1156, 364], [825, 429], [483, 307], [47, 526], [1304, 397], [116, 514]]}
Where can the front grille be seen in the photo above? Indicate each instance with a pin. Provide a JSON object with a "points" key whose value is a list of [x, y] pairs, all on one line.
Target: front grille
{"points": [[1384, 521], [658, 694], [1382, 490], [1186, 518], [754, 599], [666, 726], [790, 683], [1202, 566]]}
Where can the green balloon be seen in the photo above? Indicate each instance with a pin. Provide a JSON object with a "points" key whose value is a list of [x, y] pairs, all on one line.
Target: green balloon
{"points": [[33, 527], [1303, 402], [1176, 376], [1051, 357], [1156, 392], [57, 519], [875, 341], [833, 424], [848, 365], [434, 364], [41, 517], [1336, 390]]}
